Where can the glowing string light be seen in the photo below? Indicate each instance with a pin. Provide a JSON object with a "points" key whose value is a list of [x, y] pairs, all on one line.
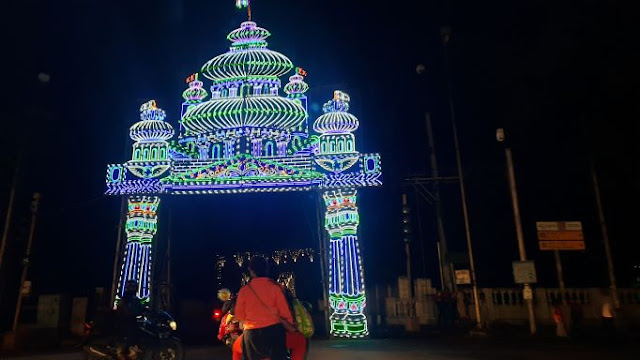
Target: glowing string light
{"points": [[141, 226], [346, 289]]}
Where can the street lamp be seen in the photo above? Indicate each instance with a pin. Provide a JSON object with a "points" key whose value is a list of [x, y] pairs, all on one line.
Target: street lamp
{"points": [[528, 293]]}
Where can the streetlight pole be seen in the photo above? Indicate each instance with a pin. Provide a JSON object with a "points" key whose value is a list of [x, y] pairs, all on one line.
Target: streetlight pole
{"points": [[446, 37], [605, 238], [7, 220], [26, 262], [528, 292]]}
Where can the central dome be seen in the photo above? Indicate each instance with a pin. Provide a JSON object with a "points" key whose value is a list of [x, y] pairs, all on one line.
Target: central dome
{"points": [[228, 113], [248, 57], [244, 93]]}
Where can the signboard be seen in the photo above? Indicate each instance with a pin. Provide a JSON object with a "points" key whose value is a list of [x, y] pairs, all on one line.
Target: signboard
{"points": [[560, 235], [524, 272], [463, 277]]}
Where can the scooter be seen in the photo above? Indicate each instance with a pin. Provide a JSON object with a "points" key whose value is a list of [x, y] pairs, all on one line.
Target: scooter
{"points": [[156, 340]]}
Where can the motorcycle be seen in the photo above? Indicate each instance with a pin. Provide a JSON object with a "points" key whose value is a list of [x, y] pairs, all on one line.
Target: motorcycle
{"points": [[156, 339]]}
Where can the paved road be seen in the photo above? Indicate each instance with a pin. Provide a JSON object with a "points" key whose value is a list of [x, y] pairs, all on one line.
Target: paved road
{"points": [[414, 349]]}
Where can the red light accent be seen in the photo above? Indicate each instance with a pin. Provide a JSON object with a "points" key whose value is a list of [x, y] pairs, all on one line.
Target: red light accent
{"points": [[192, 77], [216, 315]]}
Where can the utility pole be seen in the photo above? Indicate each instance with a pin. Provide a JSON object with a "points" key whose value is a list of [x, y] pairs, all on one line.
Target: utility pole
{"points": [[445, 33], [563, 289], [528, 292], [445, 276], [412, 321], [116, 258], [26, 262], [407, 240], [7, 220], [605, 238]]}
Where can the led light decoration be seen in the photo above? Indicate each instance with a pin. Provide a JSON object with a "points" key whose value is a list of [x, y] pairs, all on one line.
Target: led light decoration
{"points": [[296, 89], [150, 156], [346, 282], [238, 134], [245, 95], [194, 94], [242, 4], [141, 226], [336, 126]]}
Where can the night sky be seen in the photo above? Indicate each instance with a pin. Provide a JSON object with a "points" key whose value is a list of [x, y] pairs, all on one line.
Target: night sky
{"points": [[560, 77]]}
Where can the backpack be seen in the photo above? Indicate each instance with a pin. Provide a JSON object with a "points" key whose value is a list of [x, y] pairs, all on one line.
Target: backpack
{"points": [[303, 319]]}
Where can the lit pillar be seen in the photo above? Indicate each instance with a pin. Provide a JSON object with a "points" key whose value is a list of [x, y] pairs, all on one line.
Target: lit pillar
{"points": [[346, 283], [256, 147], [282, 147], [229, 148], [141, 226], [204, 150]]}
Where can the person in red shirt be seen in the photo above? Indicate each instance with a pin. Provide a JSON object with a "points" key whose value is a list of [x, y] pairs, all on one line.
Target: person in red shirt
{"points": [[262, 308]]}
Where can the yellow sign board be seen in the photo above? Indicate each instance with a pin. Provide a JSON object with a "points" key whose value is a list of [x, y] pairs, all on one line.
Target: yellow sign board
{"points": [[560, 235]]}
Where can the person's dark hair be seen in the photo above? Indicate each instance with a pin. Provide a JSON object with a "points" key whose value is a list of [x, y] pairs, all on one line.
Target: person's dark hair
{"points": [[259, 266]]}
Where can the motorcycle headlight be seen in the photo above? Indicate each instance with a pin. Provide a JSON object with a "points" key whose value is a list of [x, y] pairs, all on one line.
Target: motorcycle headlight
{"points": [[173, 325]]}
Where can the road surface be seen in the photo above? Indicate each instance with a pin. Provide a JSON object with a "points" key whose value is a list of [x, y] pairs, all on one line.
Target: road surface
{"points": [[414, 349]]}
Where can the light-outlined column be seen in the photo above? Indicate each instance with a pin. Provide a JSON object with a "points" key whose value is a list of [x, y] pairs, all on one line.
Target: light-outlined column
{"points": [[141, 226], [346, 282]]}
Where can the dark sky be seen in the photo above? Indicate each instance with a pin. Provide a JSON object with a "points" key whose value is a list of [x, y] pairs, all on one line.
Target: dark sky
{"points": [[561, 77]]}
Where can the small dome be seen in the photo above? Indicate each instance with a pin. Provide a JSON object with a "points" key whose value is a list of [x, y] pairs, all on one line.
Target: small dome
{"points": [[336, 119], [151, 130], [249, 33], [247, 58], [151, 126], [336, 123], [195, 92], [296, 86]]}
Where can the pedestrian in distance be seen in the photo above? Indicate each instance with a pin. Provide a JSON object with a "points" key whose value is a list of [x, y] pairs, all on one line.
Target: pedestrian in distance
{"points": [[558, 318]]}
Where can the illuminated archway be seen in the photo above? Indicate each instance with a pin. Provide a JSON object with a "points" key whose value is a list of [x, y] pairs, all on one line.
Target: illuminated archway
{"points": [[240, 140]]}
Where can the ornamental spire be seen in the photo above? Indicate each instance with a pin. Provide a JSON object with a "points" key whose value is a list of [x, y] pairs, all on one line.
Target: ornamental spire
{"points": [[195, 93], [244, 4], [296, 86]]}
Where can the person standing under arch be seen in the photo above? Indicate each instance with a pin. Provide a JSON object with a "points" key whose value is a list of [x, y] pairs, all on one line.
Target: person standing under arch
{"points": [[264, 312]]}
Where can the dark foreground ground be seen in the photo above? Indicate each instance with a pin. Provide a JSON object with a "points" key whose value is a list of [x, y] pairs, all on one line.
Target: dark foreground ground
{"points": [[433, 348]]}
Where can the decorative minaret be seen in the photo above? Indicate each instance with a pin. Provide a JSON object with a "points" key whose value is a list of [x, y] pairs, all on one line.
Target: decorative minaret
{"points": [[296, 89], [337, 148], [150, 156], [337, 153], [141, 226], [194, 94]]}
